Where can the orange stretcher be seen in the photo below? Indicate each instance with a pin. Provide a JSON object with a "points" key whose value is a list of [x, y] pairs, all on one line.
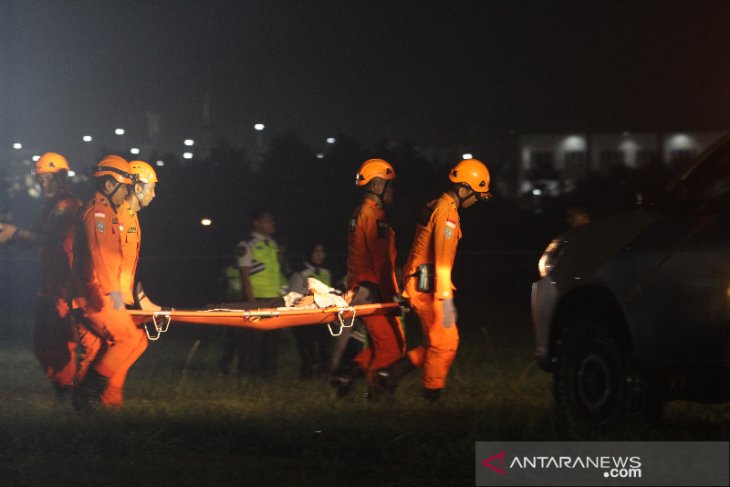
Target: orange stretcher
{"points": [[261, 319]]}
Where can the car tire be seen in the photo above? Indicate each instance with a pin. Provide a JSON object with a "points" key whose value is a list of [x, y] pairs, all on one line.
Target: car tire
{"points": [[592, 377]]}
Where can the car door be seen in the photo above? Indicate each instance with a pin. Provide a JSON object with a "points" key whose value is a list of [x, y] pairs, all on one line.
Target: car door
{"points": [[683, 296]]}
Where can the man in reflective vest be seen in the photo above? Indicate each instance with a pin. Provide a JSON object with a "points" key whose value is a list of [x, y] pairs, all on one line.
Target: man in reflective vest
{"points": [[428, 287], [261, 281], [371, 275]]}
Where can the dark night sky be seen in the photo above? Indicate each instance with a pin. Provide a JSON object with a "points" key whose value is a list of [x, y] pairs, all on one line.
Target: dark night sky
{"points": [[438, 72]]}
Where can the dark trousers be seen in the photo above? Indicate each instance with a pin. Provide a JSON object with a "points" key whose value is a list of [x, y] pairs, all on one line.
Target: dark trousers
{"points": [[257, 350], [311, 343]]}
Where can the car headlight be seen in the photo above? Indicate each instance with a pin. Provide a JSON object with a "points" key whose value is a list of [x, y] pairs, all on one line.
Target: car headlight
{"points": [[549, 257]]}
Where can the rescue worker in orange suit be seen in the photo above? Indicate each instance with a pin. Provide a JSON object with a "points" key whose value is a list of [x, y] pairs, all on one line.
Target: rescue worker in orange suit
{"points": [[371, 275], [428, 287], [98, 266], [140, 195], [54, 331]]}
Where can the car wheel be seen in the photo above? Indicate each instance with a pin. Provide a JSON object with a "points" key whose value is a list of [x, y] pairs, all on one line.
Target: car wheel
{"points": [[592, 375]]}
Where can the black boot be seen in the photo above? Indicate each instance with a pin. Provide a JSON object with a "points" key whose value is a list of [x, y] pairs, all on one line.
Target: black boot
{"points": [[87, 395], [389, 377], [62, 391], [344, 380], [432, 395]]}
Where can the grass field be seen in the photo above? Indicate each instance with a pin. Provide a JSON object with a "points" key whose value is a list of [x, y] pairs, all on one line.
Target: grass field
{"points": [[186, 425]]}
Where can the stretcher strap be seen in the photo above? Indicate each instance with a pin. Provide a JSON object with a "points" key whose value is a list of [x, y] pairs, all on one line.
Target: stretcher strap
{"points": [[161, 322], [342, 321]]}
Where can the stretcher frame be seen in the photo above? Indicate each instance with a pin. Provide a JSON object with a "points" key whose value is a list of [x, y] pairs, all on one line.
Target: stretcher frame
{"points": [[158, 322]]}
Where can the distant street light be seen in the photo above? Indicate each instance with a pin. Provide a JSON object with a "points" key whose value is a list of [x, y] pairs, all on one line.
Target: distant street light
{"points": [[259, 127], [71, 174], [320, 156], [87, 138], [467, 156], [119, 131], [206, 222], [17, 145], [189, 142], [331, 140], [134, 150], [188, 155], [35, 158], [160, 163]]}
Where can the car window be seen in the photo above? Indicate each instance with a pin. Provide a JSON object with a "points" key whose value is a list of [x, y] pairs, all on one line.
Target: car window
{"points": [[708, 185]]}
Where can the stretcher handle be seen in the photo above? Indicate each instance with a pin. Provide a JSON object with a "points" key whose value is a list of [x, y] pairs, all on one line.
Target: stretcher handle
{"points": [[342, 321], [160, 322]]}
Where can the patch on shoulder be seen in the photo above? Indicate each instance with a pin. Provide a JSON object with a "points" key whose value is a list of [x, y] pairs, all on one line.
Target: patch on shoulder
{"points": [[100, 227]]}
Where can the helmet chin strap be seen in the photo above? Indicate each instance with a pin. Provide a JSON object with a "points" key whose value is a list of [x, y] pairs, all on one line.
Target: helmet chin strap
{"points": [[380, 195], [458, 197], [111, 195]]}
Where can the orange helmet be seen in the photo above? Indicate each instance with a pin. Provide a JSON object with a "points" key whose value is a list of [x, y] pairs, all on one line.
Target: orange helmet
{"points": [[143, 171], [374, 168], [116, 167], [52, 163], [474, 174]]}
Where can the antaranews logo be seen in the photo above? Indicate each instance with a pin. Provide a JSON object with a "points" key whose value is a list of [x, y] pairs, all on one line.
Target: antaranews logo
{"points": [[488, 463], [599, 463], [611, 466]]}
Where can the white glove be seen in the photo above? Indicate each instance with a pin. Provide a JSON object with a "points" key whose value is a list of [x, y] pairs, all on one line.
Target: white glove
{"points": [[117, 300], [449, 315]]}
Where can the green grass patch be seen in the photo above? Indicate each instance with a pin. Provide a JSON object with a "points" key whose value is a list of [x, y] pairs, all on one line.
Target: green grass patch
{"points": [[185, 424]]}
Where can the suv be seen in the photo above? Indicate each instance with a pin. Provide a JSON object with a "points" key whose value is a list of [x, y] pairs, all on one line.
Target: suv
{"points": [[634, 310]]}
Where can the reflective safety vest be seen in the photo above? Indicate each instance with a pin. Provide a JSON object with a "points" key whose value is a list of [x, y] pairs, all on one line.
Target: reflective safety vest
{"points": [[234, 289], [265, 271], [321, 274]]}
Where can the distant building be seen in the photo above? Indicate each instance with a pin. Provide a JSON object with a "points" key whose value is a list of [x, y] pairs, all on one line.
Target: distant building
{"points": [[551, 164]]}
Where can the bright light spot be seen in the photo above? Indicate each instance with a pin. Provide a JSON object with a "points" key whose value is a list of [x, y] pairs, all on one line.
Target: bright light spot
{"points": [[330, 140], [467, 156], [160, 163], [259, 126], [189, 142], [17, 145], [119, 131], [574, 143], [87, 138], [681, 141], [206, 222], [188, 155], [35, 158], [134, 150], [320, 156], [71, 174], [537, 192]]}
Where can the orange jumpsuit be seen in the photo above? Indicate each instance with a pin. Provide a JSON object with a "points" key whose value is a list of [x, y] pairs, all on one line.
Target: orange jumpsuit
{"points": [[99, 270], [437, 237], [54, 331], [371, 262], [131, 239]]}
